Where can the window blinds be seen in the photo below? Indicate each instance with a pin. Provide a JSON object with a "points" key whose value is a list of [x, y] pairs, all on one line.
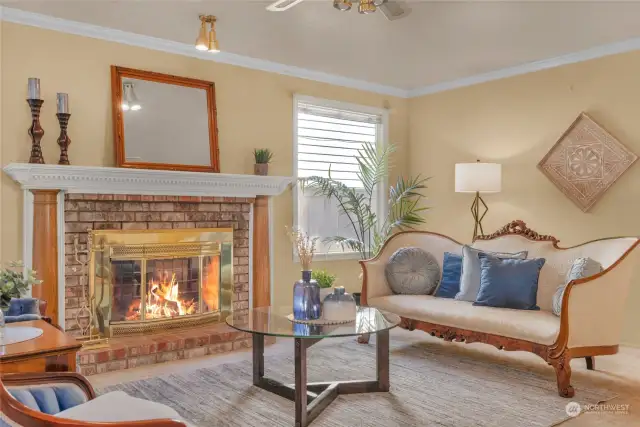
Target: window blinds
{"points": [[329, 139]]}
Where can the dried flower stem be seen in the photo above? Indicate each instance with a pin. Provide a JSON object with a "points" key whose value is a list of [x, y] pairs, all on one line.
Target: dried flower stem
{"points": [[305, 246]]}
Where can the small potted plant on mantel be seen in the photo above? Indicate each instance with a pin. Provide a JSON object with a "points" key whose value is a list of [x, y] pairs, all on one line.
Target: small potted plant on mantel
{"points": [[325, 281], [263, 157]]}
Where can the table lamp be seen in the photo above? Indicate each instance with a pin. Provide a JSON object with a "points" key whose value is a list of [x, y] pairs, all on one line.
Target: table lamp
{"points": [[478, 178]]}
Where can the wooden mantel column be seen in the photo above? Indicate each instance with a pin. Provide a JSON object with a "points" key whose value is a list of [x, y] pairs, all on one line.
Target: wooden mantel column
{"points": [[261, 273], [45, 248]]}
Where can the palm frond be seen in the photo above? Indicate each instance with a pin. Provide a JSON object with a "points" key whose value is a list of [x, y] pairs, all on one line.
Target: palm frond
{"points": [[404, 203], [406, 188], [373, 165], [349, 204], [346, 242]]}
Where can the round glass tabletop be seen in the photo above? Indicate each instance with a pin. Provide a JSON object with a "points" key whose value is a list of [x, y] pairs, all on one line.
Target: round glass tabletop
{"points": [[274, 321]]}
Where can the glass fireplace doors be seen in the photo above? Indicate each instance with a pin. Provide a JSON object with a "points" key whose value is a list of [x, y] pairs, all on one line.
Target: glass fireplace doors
{"points": [[147, 281]]}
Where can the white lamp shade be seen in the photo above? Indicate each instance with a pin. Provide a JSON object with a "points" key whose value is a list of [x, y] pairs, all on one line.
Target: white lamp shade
{"points": [[481, 177]]}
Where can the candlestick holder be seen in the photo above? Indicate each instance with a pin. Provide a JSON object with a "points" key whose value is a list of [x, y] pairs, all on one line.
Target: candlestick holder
{"points": [[35, 131], [63, 139]]}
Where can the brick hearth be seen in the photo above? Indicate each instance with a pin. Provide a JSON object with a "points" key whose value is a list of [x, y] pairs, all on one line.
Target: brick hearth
{"points": [[143, 212], [135, 351]]}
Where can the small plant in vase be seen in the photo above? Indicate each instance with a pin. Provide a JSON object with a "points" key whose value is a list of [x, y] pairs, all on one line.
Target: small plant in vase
{"points": [[325, 281], [263, 157], [306, 292]]}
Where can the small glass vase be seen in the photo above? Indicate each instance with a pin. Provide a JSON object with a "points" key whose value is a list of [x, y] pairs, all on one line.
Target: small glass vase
{"points": [[306, 298], [339, 306]]}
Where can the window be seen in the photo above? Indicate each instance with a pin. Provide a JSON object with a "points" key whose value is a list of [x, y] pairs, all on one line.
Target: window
{"points": [[327, 137]]}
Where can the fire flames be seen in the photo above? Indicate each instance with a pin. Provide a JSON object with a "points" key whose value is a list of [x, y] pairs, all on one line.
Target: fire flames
{"points": [[163, 300]]}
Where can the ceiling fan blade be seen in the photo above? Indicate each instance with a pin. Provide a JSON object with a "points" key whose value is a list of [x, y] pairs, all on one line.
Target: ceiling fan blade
{"points": [[282, 5], [393, 10]]}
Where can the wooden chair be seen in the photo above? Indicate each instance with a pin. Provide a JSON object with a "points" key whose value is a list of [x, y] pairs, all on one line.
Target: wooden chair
{"points": [[21, 414]]}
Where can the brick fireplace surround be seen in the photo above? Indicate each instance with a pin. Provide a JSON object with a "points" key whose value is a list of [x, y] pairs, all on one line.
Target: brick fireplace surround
{"points": [[83, 212], [67, 201]]}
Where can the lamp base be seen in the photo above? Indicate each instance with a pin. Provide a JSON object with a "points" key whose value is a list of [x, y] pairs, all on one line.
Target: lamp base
{"points": [[477, 218]]}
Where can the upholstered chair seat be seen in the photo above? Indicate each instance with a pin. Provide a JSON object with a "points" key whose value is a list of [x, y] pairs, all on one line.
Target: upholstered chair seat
{"points": [[49, 398], [65, 399], [24, 309]]}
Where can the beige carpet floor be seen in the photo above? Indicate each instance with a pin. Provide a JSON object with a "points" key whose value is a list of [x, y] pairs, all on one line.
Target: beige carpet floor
{"points": [[433, 383]]}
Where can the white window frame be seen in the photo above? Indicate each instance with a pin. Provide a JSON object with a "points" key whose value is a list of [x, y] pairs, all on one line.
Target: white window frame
{"points": [[382, 133]]}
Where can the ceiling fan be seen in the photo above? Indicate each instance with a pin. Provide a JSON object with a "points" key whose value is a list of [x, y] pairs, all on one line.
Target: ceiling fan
{"points": [[391, 9]]}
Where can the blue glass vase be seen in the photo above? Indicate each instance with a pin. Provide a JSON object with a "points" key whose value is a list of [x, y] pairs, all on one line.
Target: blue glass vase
{"points": [[306, 298]]}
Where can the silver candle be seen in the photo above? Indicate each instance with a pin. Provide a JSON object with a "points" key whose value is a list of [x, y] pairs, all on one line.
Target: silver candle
{"points": [[63, 103], [33, 87]]}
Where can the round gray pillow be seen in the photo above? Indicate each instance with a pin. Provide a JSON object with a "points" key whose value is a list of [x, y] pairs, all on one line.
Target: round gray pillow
{"points": [[412, 271]]}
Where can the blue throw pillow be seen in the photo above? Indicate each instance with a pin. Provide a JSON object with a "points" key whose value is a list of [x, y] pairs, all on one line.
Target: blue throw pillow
{"points": [[470, 279], [451, 272], [509, 283], [19, 306]]}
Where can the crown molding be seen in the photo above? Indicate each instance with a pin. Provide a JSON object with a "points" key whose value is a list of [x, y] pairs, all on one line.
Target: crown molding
{"points": [[103, 180], [531, 67], [47, 22], [118, 36]]}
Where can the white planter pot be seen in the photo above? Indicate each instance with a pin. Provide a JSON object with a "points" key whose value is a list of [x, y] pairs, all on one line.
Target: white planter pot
{"points": [[324, 292]]}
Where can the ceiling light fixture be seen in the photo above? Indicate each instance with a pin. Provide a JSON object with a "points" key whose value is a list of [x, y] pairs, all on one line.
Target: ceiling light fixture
{"points": [[366, 6], [214, 47], [201, 42], [210, 42], [391, 9], [342, 5]]}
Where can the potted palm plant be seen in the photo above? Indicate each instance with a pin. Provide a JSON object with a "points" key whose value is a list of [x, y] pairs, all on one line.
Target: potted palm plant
{"points": [[262, 157], [403, 205]]}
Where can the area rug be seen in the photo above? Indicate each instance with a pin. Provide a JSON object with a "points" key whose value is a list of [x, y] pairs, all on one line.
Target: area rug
{"points": [[431, 385]]}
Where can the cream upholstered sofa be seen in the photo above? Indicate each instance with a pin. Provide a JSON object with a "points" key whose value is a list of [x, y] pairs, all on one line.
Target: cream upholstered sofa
{"points": [[592, 307]]}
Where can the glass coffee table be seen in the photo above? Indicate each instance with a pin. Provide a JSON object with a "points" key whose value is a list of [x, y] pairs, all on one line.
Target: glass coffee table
{"points": [[312, 398]]}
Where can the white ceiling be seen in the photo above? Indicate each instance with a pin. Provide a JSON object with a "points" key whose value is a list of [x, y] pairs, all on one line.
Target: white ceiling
{"points": [[438, 42]]}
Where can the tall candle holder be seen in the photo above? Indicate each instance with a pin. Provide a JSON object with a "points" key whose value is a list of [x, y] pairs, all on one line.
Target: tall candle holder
{"points": [[63, 139], [35, 131]]}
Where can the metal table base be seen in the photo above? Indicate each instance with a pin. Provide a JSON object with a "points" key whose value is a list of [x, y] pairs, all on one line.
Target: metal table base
{"points": [[312, 398]]}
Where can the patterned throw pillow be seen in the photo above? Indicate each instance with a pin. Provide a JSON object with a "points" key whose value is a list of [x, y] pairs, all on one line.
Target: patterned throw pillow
{"points": [[470, 279], [451, 272], [412, 271], [509, 283], [582, 267]]}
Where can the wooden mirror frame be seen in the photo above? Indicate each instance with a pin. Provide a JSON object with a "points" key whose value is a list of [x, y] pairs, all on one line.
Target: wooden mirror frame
{"points": [[117, 74]]}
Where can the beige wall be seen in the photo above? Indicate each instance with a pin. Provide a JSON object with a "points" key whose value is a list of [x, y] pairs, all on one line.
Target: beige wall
{"points": [[1, 162], [515, 122], [254, 110]]}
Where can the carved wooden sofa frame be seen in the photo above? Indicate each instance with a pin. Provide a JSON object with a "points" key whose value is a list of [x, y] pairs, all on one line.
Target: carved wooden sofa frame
{"points": [[25, 416], [557, 354]]}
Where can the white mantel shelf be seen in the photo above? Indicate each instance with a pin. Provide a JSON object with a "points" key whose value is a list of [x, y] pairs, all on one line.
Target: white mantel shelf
{"points": [[103, 180]]}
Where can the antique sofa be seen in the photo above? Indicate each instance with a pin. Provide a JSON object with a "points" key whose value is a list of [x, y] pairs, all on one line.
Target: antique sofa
{"points": [[66, 399], [592, 308]]}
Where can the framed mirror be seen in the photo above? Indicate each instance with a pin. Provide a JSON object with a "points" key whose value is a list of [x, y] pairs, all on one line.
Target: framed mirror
{"points": [[164, 122]]}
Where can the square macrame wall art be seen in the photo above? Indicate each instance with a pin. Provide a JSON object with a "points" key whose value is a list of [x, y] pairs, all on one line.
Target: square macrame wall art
{"points": [[586, 161]]}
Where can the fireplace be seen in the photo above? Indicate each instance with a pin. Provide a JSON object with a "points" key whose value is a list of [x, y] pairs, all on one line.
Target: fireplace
{"points": [[150, 280]]}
